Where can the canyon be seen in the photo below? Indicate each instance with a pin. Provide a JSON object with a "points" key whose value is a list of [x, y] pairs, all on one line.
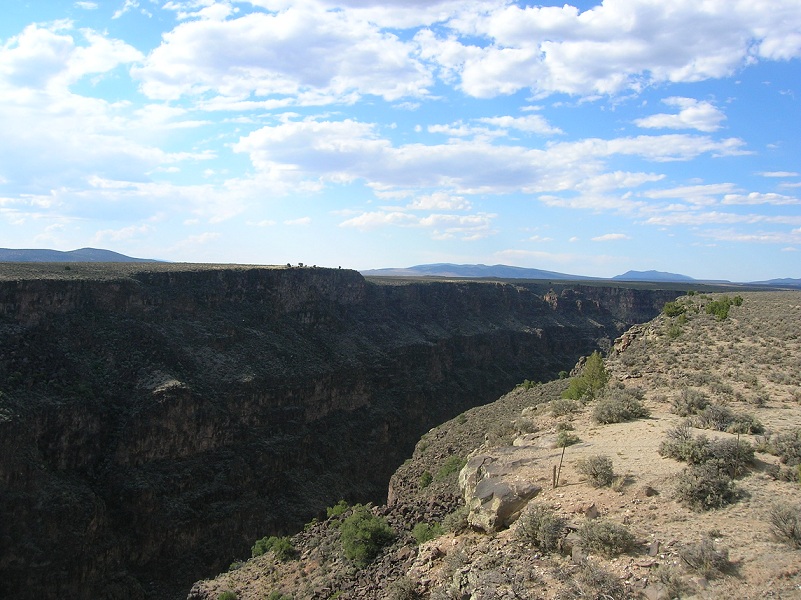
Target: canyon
{"points": [[156, 419]]}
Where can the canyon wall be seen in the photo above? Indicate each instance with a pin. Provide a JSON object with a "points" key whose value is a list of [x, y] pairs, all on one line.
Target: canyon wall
{"points": [[156, 419]]}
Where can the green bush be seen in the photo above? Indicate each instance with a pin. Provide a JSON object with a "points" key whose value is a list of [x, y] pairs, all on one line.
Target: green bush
{"points": [[425, 479], [674, 309], [281, 546], [278, 596], [338, 509], [424, 532], [227, 595], [542, 527], [363, 535], [620, 405], [785, 521], [456, 522], [705, 560], [605, 537], [597, 469], [453, 464], [720, 308]]}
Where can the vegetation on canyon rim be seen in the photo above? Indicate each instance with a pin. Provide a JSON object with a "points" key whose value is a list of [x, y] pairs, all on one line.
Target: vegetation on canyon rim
{"points": [[706, 434]]}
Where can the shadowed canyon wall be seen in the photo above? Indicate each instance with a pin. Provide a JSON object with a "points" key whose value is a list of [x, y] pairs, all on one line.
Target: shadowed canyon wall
{"points": [[156, 420]]}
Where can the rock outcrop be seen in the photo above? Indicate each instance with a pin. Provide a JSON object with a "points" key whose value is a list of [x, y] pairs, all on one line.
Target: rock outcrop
{"points": [[156, 419]]}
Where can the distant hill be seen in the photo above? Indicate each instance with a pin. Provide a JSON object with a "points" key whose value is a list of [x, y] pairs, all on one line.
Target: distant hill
{"points": [[452, 270], [785, 282], [652, 276], [81, 255]]}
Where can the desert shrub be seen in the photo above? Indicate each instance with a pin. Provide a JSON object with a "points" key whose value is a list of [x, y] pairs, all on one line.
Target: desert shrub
{"points": [[785, 521], [565, 438], [591, 582], [363, 535], [541, 526], [720, 308], [674, 309], [403, 588], [425, 479], [336, 510], [674, 585], [619, 405], [597, 469], [278, 596], [680, 444], [787, 446], [605, 537], [592, 379], [456, 521], [689, 402], [705, 487], [704, 559], [722, 418], [281, 546], [227, 595], [453, 464], [424, 532], [564, 406]]}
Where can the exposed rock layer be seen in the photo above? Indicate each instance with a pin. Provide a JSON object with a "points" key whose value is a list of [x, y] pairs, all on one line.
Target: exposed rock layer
{"points": [[155, 420]]}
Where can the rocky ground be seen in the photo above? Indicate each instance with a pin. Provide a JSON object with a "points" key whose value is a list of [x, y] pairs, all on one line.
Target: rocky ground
{"points": [[478, 484]]}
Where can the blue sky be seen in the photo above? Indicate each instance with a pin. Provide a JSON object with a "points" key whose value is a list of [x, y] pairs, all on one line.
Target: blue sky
{"points": [[583, 138]]}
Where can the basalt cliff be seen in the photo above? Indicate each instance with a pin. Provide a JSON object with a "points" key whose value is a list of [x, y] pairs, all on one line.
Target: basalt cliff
{"points": [[156, 419]]}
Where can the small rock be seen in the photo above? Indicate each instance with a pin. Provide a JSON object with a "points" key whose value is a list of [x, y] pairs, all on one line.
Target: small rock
{"points": [[653, 549]]}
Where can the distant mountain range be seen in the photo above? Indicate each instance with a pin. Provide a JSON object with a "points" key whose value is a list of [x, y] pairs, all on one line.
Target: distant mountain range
{"points": [[507, 272], [652, 276], [472, 271], [429, 270], [82, 255]]}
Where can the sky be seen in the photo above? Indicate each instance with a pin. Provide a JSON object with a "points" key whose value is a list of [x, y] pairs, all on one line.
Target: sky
{"points": [[586, 138]]}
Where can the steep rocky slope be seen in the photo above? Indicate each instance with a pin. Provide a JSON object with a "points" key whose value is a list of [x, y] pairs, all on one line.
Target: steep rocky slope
{"points": [[739, 539], [155, 419]]}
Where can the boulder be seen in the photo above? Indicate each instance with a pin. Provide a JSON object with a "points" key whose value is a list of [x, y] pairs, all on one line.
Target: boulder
{"points": [[494, 491]]}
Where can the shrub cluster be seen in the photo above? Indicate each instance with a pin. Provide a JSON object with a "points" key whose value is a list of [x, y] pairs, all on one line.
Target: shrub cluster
{"points": [[281, 546], [597, 469], [728, 455], [720, 308], [689, 402], [674, 309], [542, 527], [722, 418], [787, 446], [564, 406], [618, 405], [605, 537], [707, 482], [363, 535], [704, 487]]}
